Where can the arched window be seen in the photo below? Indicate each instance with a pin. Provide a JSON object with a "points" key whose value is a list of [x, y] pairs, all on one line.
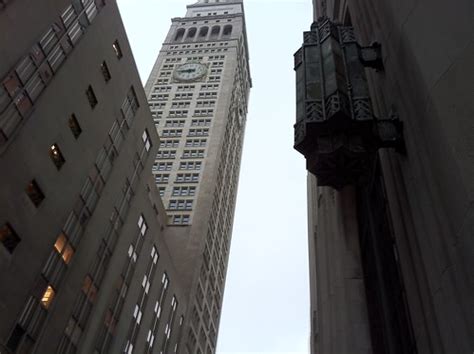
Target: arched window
{"points": [[215, 32], [191, 33], [227, 30], [203, 32], [179, 34]]}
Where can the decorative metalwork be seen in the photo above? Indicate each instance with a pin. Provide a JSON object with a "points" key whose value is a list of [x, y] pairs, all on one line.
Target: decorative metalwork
{"points": [[314, 111], [347, 34], [336, 129]]}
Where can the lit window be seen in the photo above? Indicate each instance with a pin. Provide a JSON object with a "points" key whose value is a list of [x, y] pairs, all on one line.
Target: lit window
{"points": [[9, 238], [48, 297], [56, 156], [105, 71], [91, 97], [74, 126], [89, 289], [64, 248], [117, 49], [34, 192]]}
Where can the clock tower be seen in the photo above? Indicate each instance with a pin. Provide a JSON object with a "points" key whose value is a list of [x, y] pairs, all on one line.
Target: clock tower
{"points": [[198, 95]]}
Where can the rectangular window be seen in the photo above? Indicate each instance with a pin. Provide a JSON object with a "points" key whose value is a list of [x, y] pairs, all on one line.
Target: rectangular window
{"points": [[35, 193], [193, 153], [162, 191], [9, 238], [74, 126], [195, 142], [162, 166], [117, 49], [180, 219], [64, 248], [171, 132], [48, 297], [194, 165], [174, 123], [184, 191], [169, 143], [162, 178], [105, 71], [187, 177], [200, 122], [146, 140], [56, 156], [91, 97], [181, 204], [166, 154]]}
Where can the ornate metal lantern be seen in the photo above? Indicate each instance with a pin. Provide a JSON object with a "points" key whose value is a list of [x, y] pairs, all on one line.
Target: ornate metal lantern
{"points": [[335, 128]]}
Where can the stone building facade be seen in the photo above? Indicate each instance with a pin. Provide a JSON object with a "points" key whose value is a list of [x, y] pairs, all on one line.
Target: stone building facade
{"points": [[198, 94], [391, 260]]}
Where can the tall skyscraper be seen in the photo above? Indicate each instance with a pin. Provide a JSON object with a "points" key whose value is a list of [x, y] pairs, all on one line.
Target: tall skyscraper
{"points": [[390, 232], [90, 259], [198, 94]]}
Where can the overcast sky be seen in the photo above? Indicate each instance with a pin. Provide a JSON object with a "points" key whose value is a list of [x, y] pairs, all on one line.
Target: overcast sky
{"points": [[266, 301]]}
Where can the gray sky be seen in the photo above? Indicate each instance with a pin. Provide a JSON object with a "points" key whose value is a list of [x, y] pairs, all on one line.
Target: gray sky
{"points": [[266, 302]]}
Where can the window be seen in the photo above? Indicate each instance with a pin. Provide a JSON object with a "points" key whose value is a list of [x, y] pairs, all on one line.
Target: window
{"points": [[174, 123], [215, 32], [187, 178], [200, 122], [48, 297], [63, 248], [192, 165], [193, 153], [195, 142], [180, 204], [198, 132], [91, 97], [56, 156], [162, 166], [191, 32], [203, 32], [146, 140], [117, 49], [34, 192], [162, 178], [162, 190], [172, 132], [74, 126], [184, 191], [142, 225], [169, 143], [180, 104], [9, 238], [105, 71], [180, 219], [166, 154], [179, 34], [227, 30]]}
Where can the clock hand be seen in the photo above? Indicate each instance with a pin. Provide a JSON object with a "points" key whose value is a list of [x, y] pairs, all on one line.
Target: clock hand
{"points": [[187, 70]]}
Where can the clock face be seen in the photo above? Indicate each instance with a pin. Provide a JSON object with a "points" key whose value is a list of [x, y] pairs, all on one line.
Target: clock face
{"points": [[190, 71]]}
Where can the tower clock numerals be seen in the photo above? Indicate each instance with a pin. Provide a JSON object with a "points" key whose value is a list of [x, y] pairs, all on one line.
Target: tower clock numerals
{"points": [[190, 71]]}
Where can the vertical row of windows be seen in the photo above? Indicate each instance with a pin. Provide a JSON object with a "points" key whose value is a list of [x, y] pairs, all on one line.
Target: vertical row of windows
{"points": [[155, 324], [115, 308], [140, 306]]}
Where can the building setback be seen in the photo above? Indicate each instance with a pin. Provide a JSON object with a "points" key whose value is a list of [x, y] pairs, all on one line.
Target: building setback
{"points": [[89, 262], [391, 266]]}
